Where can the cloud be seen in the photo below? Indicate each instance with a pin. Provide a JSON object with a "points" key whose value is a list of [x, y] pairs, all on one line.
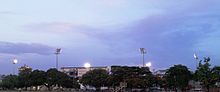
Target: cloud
{"points": [[170, 37], [22, 48], [112, 3], [60, 28], [50, 27], [167, 37], [7, 13]]}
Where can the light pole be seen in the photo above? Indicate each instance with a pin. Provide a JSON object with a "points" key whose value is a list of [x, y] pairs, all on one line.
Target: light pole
{"points": [[196, 57], [58, 51], [142, 50], [15, 61]]}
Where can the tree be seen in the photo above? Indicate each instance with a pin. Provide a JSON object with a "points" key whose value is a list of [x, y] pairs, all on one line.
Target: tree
{"points": [[178, 76], [149, 80], [158, 81], [37, 77], [9, 82], [139, 78], [204, 74], [60, 79], [117, 75], [96, 78], [51, 78], [67, 82], [216, 74], [24, 76], [135, 77]]}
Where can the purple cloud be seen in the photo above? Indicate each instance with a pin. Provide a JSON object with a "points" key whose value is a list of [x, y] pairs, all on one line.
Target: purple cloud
{"points": [[22, 48], [170, 37]]}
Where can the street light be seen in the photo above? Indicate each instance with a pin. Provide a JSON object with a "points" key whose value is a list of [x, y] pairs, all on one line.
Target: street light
{"points": [[15, 61], [143, 51], [58, 51], [196, 57]]}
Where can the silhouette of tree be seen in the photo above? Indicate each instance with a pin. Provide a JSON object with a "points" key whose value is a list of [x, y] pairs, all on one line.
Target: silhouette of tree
{"points": [[178, 76], [57, 78], [135, 77], [204, 74], [9, 82], [96, 78], [67, 82], [216, 74], [37, 78], [24, 76]]}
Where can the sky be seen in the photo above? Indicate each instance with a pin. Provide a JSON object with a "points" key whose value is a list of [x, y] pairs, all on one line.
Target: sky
{"points": [[108, 32]]}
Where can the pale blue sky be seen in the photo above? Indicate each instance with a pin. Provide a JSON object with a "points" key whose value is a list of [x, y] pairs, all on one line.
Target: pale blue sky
{"points": [[108, 32]]}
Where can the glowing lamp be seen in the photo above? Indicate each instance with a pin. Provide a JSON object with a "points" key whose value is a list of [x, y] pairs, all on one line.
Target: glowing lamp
{"points": [[87, 65], [15, 61], [148, 64]]}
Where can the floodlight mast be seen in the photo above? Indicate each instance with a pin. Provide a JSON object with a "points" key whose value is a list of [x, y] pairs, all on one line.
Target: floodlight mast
{"points": [[143, 51], [58, 51], [196, 58], [15, 61]]}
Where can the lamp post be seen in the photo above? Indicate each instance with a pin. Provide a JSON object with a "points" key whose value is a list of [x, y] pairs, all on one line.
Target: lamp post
{"points": [[58, 51], [15, 61], [196, 58], [143, 51]]}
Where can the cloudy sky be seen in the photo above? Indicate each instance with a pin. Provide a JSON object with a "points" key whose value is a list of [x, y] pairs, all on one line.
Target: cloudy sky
{"points": [[108, 32]]}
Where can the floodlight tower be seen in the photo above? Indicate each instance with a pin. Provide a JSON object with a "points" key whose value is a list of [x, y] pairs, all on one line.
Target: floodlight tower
{"points": [[58, 51], [15, 61], [143, 51], [197, 59]]}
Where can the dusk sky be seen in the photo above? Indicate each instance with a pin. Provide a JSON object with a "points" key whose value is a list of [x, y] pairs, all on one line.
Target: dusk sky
{"points": [[108, 32]]}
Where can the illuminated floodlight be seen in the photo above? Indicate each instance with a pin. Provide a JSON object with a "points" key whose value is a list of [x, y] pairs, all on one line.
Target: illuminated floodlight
{"points": [[87, 65], [195, 56], [15, 61], [148, 64]]}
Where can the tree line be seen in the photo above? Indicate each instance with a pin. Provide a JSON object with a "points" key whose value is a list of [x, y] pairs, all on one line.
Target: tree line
{"points": [[175, 78], [28, 78]]}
